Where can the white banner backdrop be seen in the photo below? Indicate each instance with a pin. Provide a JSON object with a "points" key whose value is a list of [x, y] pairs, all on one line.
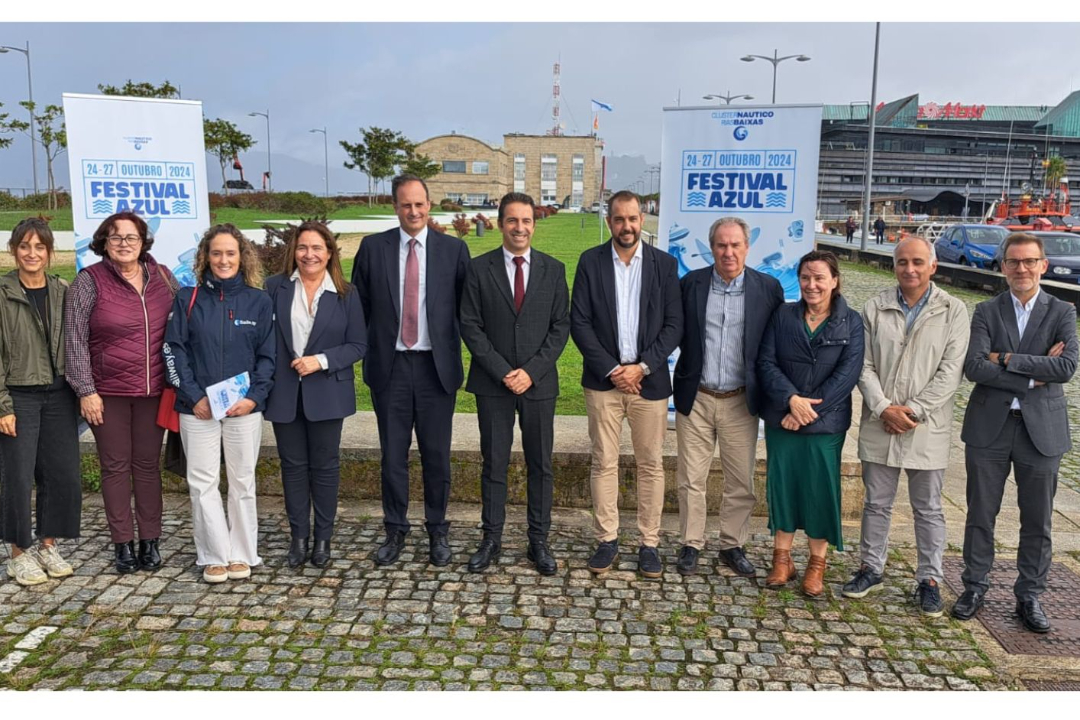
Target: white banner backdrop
{"points": [[143, 155], [757, 163]]}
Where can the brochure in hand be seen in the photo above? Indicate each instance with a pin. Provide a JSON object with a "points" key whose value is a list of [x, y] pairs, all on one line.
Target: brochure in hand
{"points": [[228, 392]]}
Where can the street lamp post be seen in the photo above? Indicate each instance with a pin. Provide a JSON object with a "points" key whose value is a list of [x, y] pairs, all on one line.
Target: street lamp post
{"points": [[775, 60], [30, 92], [727, 98], [868, 185], [326, 157], [269, 173]]}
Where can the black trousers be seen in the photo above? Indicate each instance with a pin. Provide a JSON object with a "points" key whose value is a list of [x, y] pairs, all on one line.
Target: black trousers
{"points": [[45, 453], [310, 471], [414, 398], [536, 418], [1036, 484]]}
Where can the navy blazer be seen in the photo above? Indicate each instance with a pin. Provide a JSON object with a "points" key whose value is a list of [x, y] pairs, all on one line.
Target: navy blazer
{"points": [[826, 369], [594, 320], [762, 294], [339, 332], [376, 276]]}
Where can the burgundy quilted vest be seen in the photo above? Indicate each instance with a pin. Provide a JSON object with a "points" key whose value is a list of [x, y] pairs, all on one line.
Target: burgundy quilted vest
{"points": [[126, 331]]}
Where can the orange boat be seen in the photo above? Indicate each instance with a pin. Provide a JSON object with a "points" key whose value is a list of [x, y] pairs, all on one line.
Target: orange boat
{"points": [[1052, 212]]}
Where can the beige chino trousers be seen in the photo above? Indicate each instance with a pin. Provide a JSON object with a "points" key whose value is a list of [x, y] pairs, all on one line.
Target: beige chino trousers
{"points": [[728, 423]]}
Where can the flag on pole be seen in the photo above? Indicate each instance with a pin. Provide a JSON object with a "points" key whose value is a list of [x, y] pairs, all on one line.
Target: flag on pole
{"points": [[597, 106]]}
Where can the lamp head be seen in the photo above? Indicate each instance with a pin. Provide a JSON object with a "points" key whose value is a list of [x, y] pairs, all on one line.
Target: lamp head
{"points": [[747, 58], [802, 58]]}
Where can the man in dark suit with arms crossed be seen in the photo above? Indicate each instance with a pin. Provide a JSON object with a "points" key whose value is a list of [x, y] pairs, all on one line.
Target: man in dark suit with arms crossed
{"points": [[1023, 348], [410, 281], [515, 321]]}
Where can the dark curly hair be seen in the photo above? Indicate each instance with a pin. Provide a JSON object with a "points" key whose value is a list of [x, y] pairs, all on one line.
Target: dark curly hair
{"points": [[32, 226], [109, 225]]}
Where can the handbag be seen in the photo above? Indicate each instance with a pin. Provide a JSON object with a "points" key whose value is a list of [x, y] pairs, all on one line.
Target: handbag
{"points": [[175, 460], [167, 415]]}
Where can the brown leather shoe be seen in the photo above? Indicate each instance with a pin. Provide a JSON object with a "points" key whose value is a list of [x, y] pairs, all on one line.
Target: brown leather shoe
{"points": [[783, 569], [813, 583]]}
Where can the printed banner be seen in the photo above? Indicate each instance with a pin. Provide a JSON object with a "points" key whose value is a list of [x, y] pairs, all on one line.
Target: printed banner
{"points": [[141, 155], [756, 163]]}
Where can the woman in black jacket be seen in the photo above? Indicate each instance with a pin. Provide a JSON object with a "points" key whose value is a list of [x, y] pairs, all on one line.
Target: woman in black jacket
{"points": [[808, 364], [320, 334]]}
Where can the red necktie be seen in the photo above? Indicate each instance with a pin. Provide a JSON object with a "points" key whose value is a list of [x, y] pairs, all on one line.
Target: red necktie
{"points": [[519, 284], [410, 306]]}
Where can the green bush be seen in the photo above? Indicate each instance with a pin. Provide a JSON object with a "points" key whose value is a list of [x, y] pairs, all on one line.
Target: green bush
{"points": [[32, 202], [299, 203]]}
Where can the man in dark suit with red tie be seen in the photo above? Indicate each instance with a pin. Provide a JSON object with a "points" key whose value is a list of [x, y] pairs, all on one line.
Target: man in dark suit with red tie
{"points": [[410, 281], [515, 320]]}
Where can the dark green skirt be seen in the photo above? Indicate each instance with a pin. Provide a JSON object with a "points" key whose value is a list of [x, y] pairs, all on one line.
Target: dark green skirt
{"points": [[803, 487]]}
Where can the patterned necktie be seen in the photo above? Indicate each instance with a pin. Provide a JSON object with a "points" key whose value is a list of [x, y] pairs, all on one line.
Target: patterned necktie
{"points": [[519, 283], [410, 306]]}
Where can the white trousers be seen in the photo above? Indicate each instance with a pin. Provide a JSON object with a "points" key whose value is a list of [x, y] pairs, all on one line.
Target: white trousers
{"points": [[220, 540]]}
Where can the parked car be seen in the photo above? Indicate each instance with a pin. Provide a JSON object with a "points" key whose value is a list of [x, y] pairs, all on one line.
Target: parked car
{"points": [[973, 244], [1062, 250]]}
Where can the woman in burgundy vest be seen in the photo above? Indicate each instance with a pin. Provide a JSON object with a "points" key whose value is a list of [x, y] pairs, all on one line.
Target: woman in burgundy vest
{"points": [[114, 323]]}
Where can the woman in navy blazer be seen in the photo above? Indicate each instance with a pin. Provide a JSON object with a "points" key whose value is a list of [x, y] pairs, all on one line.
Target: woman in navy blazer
{"points": [[321, 334]]}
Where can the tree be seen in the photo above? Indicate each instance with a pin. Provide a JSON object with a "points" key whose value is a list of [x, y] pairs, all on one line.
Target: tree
{"points": [[143, 89], [225, 141], [382, 152], [52, 135], [1055, 170], [10, 126]]}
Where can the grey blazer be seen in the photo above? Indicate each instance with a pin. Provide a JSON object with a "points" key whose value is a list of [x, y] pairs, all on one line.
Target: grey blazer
{"points": [[994, 329], [501, 339]]}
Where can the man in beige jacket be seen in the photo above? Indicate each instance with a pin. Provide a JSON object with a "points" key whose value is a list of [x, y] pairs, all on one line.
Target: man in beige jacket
{"points": [[916, 341]]}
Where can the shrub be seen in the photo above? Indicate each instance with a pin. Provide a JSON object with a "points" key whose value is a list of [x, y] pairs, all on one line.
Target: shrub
{"points": [[300, 203], [481, 219], [32, 202], [449, 205], [437, 227], [271, 251], [461, 225]]}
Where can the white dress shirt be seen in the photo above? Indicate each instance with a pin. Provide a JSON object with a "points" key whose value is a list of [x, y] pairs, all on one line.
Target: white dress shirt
{"points": [[511, 268], [1023, 314], [301, 319], [423, 340], [627, 303]]}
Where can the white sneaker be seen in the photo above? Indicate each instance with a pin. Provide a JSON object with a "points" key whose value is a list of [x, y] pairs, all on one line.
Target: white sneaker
{"points": [[215, 574], [238, 571], [25, 570], [48, 557]]}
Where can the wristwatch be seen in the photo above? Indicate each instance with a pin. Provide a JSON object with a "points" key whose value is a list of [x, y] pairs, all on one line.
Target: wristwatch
{"points": [[1001, 360], [644, 368]]}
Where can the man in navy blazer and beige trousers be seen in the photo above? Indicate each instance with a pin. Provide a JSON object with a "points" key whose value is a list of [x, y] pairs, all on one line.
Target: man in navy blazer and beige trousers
{"points": [[410, 281], [626, 318], [1023, 349]]}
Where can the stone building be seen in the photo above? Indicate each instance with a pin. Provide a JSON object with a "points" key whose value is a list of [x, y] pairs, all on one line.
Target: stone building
{"points": [[555, 170]]}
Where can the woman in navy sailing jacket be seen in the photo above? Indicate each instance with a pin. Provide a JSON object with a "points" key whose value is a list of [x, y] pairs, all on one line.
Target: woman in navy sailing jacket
{"points": [[221, 328]]}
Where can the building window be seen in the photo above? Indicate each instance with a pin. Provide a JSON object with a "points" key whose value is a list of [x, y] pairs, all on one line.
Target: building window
{"points": [[477, 198], [479, 167], [578, 168], [454, 197], [577, 181], [453, 166], [548, 167], [519, 173]]}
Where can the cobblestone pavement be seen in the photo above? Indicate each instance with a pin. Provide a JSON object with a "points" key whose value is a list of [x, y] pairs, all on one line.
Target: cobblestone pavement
{"points": [[861, 282], [412, 626]]}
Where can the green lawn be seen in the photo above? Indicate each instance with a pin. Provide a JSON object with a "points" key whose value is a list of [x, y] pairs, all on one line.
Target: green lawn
{"points": [[61, 219]]}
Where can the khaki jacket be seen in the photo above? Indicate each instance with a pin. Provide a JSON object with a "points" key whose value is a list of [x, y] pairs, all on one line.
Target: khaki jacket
{"points": [[920, 369], [24, 349]]}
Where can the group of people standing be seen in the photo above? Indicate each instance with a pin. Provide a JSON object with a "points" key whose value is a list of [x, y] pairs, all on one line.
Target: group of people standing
{"points": [[124, 331]]}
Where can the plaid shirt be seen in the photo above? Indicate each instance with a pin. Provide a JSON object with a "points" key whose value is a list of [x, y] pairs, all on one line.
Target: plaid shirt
{"points": [[81, 298]]}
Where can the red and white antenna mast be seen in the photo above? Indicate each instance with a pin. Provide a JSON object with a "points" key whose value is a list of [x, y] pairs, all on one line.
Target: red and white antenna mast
{"points": [[555, 129]]}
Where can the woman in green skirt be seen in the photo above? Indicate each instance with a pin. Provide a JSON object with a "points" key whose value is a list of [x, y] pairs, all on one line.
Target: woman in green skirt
{"points": [[808, 364]]}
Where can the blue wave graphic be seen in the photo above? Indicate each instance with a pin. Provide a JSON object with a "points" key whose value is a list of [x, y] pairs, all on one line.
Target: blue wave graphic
{"points": [[102, 206], [181, 207], [695, 199], [775, 199]]}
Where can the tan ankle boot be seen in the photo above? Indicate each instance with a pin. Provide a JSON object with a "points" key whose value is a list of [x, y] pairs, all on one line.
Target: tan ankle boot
{"points": [[813, 584], [783, 569]]}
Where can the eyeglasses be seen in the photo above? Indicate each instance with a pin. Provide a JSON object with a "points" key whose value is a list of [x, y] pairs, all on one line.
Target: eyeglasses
{"points": [[124, 239], [1029, 263]]}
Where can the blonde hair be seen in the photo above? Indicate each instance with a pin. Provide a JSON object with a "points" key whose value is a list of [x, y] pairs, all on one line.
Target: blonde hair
{"points": [[250, 267]]}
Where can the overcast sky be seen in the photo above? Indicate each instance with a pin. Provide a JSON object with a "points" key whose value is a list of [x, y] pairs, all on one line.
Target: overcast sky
{"points": [[487, 79]]}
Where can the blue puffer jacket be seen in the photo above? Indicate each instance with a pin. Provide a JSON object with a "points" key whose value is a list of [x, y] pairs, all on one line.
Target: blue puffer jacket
{"points": [[230, 331], [828, 368]]}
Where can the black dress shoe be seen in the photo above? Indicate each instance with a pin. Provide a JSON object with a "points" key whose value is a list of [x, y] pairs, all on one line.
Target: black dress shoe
{"points": [[149, 557], [390, 549], [538, 552], [298, 552], [735, 559], [687, 563], [126, 562], [967, 604], [1032, 615], [320, 556], [486, 554], [439, 549]]}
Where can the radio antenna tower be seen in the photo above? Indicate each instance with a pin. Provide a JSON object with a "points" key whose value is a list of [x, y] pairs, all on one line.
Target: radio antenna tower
{"points": [[555, 129]]}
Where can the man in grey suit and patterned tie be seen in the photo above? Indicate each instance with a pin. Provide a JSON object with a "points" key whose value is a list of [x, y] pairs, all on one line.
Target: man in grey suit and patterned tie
{"points": [[1023, 348], [515, 320]]}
